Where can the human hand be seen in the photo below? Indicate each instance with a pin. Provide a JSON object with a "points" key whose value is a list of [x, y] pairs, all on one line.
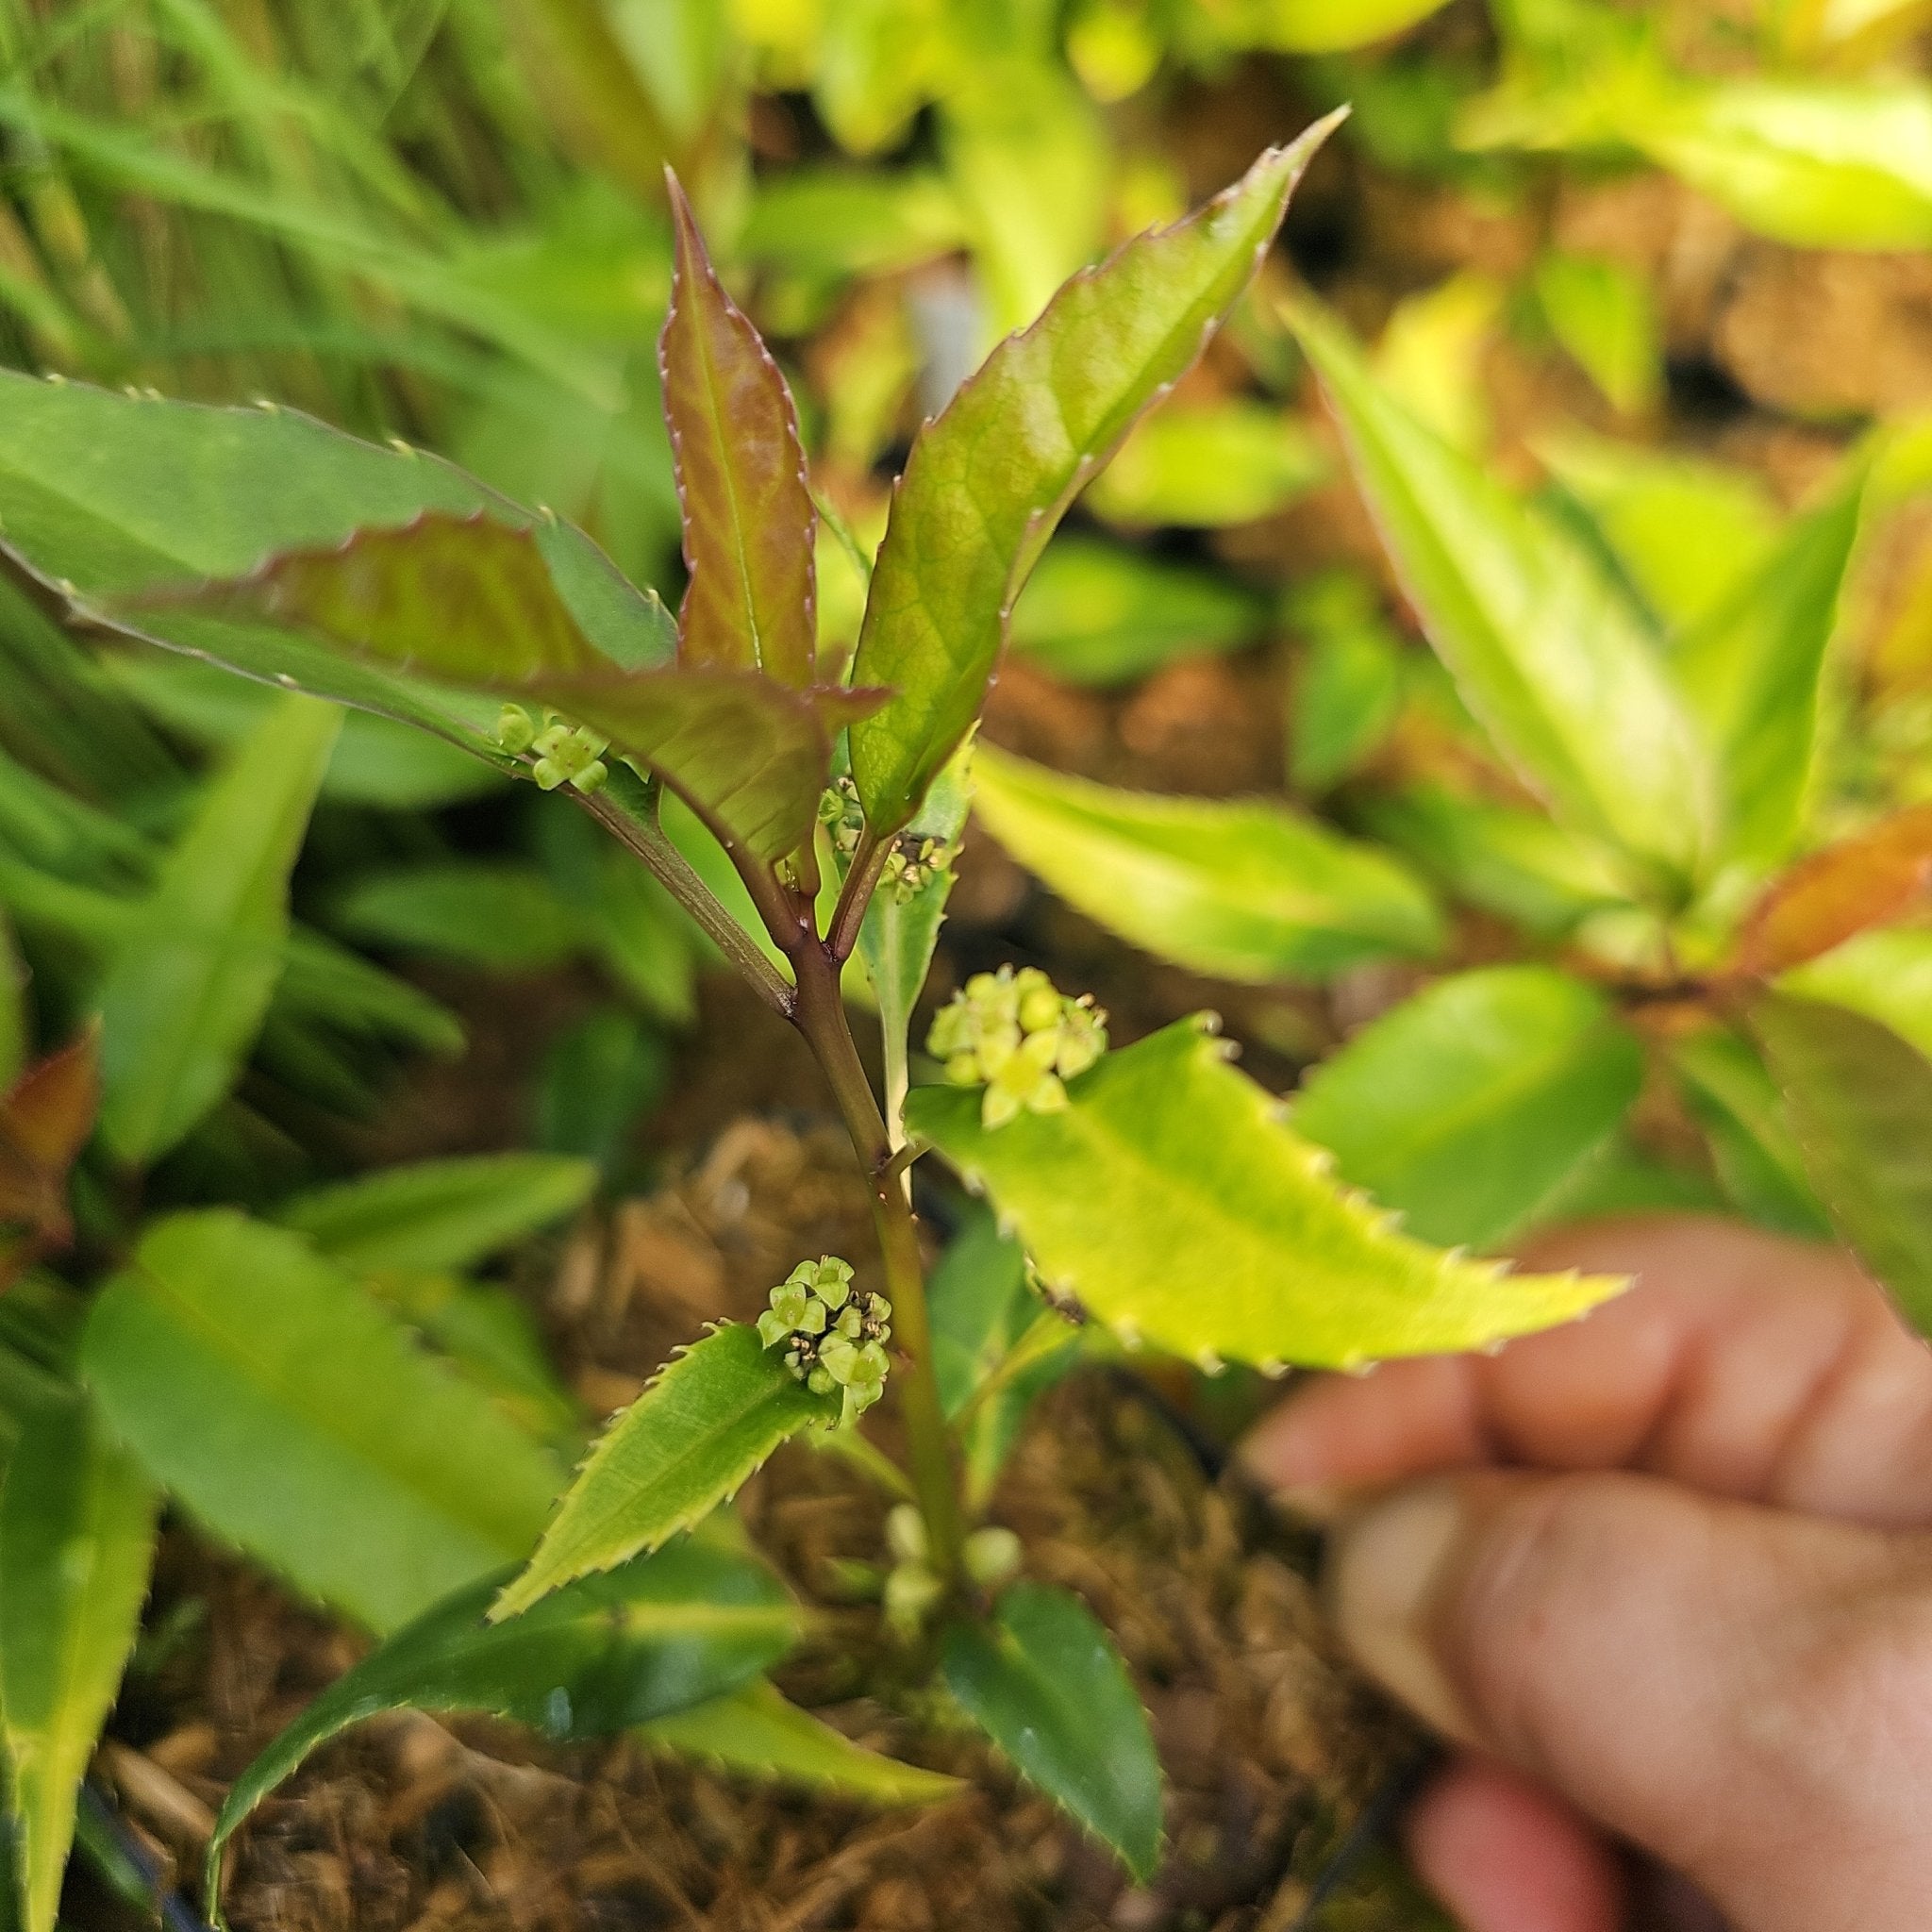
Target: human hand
{"points": [[1663, 1576]]}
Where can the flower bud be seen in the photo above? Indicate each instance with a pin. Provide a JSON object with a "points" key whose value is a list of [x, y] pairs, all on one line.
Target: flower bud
{"points": [[912, 1593], [515, 729], [992, 1556], [906, 1533]]}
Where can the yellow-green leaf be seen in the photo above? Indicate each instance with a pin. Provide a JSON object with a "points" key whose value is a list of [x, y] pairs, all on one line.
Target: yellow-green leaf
{"points": [[1173, 1201]]}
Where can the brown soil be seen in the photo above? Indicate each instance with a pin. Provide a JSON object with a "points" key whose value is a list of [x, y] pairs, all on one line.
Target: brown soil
{"points": [[405, 1824]]}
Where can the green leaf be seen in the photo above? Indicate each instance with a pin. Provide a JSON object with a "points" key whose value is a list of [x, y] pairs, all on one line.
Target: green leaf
{"points": [[1096, 613], [1467, 1106], [980, 1307], [1603, 315], [660, 1635], [749, 523], [1511, 861], [1861, 1103], [1687, 532], [1885, 974], [76, 1539], [190, 979], [1045, 1682], [104, 496], [1349, 690], [898, 936], [440, 1214], [497, 915], [758, 1730], [1815, 163], [1172, 1202], [1327, 27], [1244, 889], [473, 602], [377, 761], [1756, 1156], [1752, 674], [1205, 466], [296, 1419], [989, 480], [685, 1445], [1547, 653]]}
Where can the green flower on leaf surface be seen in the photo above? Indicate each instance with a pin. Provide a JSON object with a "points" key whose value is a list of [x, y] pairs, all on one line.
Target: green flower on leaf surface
{"points": [[564, 753], [1021, 1037], [833, 1336]]}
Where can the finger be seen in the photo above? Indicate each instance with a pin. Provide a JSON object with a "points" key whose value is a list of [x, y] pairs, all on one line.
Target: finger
{"points": [[1506, 1857], [1745, 1693], [1739, 1363]]}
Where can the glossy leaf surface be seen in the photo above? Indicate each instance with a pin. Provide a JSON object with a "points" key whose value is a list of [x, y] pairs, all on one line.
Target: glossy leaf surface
{"points": [[1545, 649], [296, 1418], [710, 1418], [657, 1636], [1861, 1103], [1175, 1206], [1042, 1680], [1467, 1106], [758, 1731], [987, 481], [440, 1214], [1245, 889], [76, 1539], [749, 523], [191, 976]]}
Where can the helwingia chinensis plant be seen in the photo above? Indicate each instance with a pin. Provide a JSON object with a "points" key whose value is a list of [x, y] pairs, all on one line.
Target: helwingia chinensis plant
{"points": [[1166, 1201]]}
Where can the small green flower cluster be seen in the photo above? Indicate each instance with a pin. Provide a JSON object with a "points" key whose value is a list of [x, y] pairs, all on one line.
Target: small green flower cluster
{"points": [[1019, 1036], [842, 816], [832, 1337], [565, 753], [912, 865], [913, 1588]]}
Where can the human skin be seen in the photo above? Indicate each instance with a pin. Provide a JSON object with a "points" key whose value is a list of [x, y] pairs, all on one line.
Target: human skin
{"points": [[1663, 1580]]}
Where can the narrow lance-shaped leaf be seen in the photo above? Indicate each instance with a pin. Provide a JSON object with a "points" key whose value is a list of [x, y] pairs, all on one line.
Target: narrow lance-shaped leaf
{"points": [[1045, 1682], [1172, 1202], [440, 1214], [1246, 890], [712, 1417], [470, 601], [296, 1418], [754, 1729], [1860, 1103], [191, 979], [1752, 675], [1467, 1106], [77, 1537], [749, 522], [987, 481], [669, 1631], [1546, 650]]}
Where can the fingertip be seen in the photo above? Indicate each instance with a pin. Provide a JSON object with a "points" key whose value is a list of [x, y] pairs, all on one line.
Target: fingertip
{"points": [[1336, 1436], [1504, 1855]]}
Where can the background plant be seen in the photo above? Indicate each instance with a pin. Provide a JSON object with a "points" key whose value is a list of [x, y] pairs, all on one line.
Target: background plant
{"points": [[1669, 763]]}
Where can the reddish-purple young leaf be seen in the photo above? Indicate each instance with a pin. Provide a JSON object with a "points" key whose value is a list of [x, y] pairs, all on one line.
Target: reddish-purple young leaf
{"points": [[1873, 879], [46, 1118], [989, 480], [749, 522], [469, 601]]}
